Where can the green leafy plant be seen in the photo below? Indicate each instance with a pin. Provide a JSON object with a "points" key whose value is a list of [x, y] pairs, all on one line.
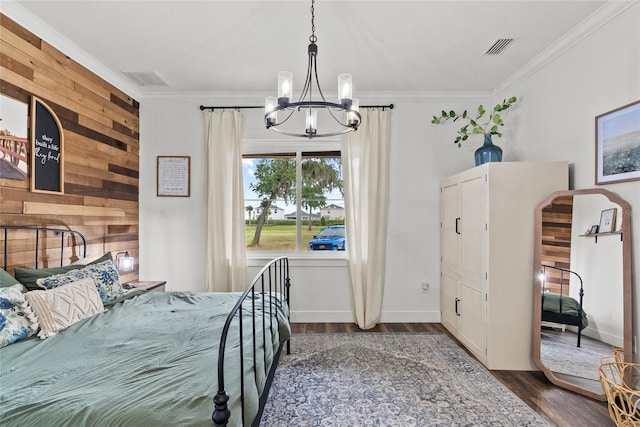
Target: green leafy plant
{"points": [[475, 125]]}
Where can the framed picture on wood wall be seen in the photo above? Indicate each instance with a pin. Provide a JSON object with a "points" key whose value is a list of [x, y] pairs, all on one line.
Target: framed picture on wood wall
{"points": [[618, 145], [14, 142], [47, 149], [174, 176]]}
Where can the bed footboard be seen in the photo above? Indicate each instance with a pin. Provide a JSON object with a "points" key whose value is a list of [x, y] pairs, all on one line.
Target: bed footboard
{"points": [[272, 281]]}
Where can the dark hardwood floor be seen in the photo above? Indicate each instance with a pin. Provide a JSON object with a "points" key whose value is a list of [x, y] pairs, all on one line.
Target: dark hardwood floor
{"points": [[558, 406]]}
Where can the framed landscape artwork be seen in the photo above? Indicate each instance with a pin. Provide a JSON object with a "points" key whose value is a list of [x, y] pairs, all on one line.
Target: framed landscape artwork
{"points": [[618, 145], [14, 143]]}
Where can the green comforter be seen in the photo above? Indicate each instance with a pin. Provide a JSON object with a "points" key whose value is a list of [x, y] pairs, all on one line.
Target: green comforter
{"points": [[562, 304], [148, 361]]}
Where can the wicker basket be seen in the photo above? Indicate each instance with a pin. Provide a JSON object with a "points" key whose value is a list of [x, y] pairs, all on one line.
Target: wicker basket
{"points": [[623, 400]]}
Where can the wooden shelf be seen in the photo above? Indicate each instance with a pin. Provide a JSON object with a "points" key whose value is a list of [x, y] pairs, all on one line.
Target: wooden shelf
{"points": [[595, 235]]}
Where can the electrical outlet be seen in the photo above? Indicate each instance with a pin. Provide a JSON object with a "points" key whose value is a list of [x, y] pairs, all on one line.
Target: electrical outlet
{"points": [[425, 286]]}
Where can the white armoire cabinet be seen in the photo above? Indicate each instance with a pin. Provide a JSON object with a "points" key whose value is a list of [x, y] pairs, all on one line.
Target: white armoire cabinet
{"points": [[486, 264]]}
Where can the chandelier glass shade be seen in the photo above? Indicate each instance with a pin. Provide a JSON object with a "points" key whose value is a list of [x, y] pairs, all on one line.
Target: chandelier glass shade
{"points": [[344, 112]]}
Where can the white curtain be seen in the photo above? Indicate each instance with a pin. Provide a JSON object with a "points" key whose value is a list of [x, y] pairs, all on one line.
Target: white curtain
{"points": [[226, 261], [365, 163]]}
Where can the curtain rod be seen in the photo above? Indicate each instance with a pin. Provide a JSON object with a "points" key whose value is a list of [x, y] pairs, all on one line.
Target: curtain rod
{"points": [[239, 107]]}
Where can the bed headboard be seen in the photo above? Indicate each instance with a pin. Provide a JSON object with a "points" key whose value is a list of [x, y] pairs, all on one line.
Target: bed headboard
{"points": [[75, 242], [563, 280]]}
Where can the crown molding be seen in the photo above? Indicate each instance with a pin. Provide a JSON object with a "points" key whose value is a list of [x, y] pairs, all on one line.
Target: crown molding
{"points": [[590, 25], [257, 98], [43, 30]]}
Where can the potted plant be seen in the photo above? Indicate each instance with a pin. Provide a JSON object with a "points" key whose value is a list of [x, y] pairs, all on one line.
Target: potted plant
{"points": [[474, 125]]}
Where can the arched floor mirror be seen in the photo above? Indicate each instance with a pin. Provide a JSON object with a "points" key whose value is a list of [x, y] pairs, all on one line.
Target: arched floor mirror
{"points": [[582, 291]]}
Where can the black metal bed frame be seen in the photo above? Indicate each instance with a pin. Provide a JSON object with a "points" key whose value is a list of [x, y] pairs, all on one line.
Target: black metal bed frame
{"points": [[561, 318], [38, 231], [273, 279]]}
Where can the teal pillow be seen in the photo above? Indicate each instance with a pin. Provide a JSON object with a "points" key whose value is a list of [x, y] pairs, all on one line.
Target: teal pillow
{"points": [[7, 280], [103, 258], [28, 276], [85, 261]]}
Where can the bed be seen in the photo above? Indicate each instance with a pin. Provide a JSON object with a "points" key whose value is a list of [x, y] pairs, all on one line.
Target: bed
{"points": [[558, 307], [150, 358]]}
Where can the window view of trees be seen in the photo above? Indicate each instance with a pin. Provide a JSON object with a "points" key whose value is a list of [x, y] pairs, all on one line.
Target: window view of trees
{"points": [[272, 208]]}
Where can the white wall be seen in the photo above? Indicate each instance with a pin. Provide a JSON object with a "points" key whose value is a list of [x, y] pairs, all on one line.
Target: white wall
{"points": [[172, 228], [560, 101], [559, 94], [553, 120], [599, 264], [172, 239]]}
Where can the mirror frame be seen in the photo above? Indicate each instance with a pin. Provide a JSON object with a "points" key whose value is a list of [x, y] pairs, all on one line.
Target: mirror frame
{"points": [[626, 279]]}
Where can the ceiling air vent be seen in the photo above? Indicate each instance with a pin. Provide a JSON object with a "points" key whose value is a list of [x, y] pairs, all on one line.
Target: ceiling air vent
{"points": [[499, 46], [145, 78]]}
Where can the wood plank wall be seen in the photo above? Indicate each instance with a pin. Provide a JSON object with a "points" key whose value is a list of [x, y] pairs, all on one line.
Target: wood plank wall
{"points": [[101, 152], [556, 240]]}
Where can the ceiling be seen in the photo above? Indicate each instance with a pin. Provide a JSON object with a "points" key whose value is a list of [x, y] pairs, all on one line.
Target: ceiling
{"points": [[239, 46]]}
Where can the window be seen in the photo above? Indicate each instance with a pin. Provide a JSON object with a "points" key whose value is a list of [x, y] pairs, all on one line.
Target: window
{"points": [[290, 197]]}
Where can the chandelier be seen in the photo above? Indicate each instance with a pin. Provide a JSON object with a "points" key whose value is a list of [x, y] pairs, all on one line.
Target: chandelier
{"points": [[345, 112]]}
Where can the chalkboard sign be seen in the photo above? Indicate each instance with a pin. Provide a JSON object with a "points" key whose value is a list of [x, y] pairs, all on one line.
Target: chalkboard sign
{"points": [[47, 140]]}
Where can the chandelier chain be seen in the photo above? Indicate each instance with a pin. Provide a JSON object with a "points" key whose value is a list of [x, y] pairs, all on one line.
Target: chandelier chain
{"points": [[312, 37]]}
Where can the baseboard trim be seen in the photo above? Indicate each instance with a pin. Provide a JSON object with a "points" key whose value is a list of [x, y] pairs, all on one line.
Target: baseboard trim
{"points": [[347, 317], [410, 317], [321, 317]]}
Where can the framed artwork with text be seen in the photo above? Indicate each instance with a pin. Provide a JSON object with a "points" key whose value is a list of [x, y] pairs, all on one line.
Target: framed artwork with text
{"points": [[173, 176], [47, 149]]}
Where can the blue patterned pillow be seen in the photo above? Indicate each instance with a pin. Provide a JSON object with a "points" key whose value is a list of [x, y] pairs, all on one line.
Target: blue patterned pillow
{"points": [[17, 320], [104, 275], [57, 280], [107, 280]]}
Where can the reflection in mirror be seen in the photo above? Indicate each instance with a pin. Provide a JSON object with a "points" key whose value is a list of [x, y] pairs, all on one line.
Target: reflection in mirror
{"points": [[585, 299]]}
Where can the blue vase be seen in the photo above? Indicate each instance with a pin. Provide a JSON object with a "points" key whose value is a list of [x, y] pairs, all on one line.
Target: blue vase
{"points": [[488, 152]]}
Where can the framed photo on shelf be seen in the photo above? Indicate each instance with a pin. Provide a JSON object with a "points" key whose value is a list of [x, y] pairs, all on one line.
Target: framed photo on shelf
{"points": [[618, 145], [594, 229], [607, 221], [174, 176]]}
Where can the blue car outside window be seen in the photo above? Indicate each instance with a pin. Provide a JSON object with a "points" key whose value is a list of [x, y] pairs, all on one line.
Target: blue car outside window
{"points": [[329, 239]]}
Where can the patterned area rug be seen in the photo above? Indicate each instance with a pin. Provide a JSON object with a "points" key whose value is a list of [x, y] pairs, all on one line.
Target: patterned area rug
{"points": [[377, 379], [564, 357]]}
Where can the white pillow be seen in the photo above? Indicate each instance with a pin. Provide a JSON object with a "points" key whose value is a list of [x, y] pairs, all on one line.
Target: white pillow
{"points": [[61, 307]]}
